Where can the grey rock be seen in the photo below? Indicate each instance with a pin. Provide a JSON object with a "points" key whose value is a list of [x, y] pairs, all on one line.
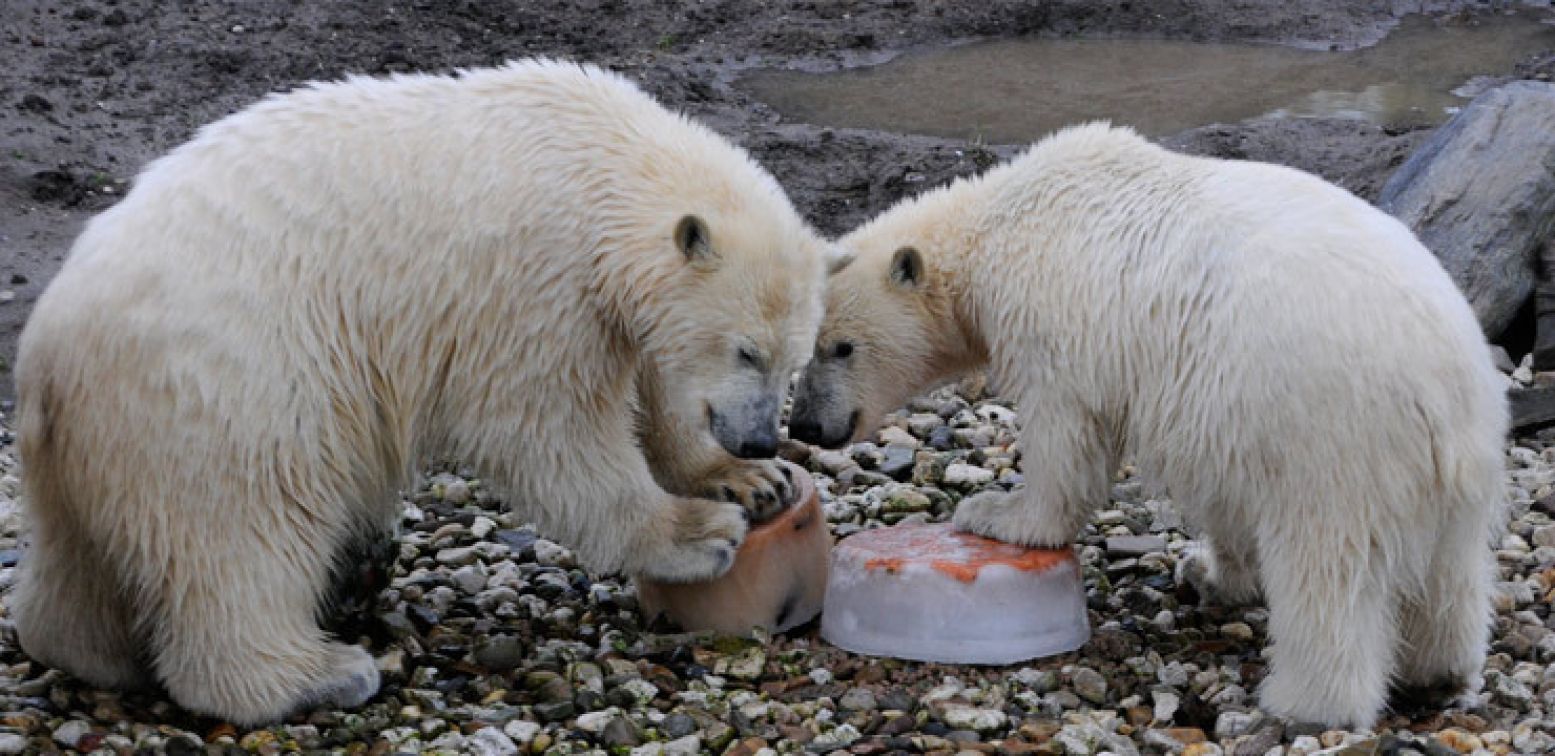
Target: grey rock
{"points": [[1480, 193], [1089, 685], [557, 711], [1134, 546], [11, 742], [500, 653], [898, 461], [70, 733], [490, 741], [858, 699], [677, 725], [620, 733]]}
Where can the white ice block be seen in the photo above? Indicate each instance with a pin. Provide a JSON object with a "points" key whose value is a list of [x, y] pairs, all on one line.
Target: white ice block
{"points": [[930, 593]]}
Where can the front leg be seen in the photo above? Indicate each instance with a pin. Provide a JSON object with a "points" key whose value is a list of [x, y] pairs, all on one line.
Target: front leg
{"points": [[1065, 463], [686, 460]]}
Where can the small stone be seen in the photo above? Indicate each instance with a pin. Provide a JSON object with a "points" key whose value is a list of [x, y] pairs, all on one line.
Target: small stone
{"points": [[557, 711], [1458, 740], [833, 462], [839, 737], [975, 719], [1166, 703], [619, 733], [922, 424], [858, 699], [1089, 685], [521, 732], [1134, 546], [456, 492], [500, 653], [1239, 631], [691, 745], [963, 475], [678, 725], [746, 665], [11, 742], [552, 554], [471, 578], [1231, 724], [1509, 691], [482, 527], [70, 733], [595, 722], [899, 461], [490, 741], [906, 500], [458, 557]]}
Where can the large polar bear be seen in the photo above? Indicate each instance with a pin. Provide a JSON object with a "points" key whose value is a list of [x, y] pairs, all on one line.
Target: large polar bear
{"points": [[243, 361], [1291, 362]]}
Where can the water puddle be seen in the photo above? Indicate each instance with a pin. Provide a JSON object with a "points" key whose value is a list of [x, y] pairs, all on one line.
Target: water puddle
{"points": [[1013, 91]]}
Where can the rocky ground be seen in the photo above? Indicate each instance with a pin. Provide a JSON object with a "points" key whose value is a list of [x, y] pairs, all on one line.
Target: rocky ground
{"points": [[492, 641]]}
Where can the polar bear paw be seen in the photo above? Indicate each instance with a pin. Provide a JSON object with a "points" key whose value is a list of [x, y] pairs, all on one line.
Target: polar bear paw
{"points": [[762, 486], [352, 678], [1007, 516], [1218, 579], [702, 539]]}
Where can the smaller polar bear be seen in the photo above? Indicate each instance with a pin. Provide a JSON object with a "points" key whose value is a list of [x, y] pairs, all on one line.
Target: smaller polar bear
{"points": [[1290, 361], [534, 268]]}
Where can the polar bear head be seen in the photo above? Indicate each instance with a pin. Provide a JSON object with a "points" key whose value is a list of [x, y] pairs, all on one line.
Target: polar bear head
{"points": [[733, 318], [892, 326]]}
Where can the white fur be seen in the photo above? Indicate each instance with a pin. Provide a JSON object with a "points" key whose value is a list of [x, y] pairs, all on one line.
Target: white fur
{"points": [[1291, 361], [242, 363]]}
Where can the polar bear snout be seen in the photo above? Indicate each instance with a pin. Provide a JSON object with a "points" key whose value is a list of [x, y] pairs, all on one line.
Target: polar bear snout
{"points": [[749, 428], [820, 416]]}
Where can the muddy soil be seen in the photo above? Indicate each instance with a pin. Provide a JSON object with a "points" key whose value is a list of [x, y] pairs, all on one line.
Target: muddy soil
{"points": [[92, 89]]}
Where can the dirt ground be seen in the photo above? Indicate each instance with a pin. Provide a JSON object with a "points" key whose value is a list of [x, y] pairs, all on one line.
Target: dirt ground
{"points": [[90, 90]]}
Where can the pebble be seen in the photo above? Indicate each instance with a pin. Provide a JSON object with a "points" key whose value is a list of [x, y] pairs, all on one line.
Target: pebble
{"points": [[521, 732], [11, 742], [962, 475], [858, 699], [490, 741], [70, 733], [1134, 546], [1089, 685], [975, 719]]}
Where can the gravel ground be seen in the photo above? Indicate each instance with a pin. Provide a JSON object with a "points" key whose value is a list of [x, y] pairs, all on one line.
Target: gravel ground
{"points": [[492, 641]]}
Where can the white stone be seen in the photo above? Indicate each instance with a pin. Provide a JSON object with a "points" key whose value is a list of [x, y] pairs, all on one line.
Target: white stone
{"points": [[521, 731], [71, 733], [490, 741], [966, 476], [976, 719]]}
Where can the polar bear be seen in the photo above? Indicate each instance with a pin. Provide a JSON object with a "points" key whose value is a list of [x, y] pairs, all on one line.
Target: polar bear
{"points": [[1290, 361], [534, 268]]}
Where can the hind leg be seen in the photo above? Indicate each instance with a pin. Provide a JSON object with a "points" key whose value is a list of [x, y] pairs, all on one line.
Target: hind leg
{"points": [[1446, 629], [70, 613], [1331, 612], [236, 633]]}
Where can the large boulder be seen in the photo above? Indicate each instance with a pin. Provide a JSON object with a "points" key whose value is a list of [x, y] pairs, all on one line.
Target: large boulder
{"points": [[1480, 193]]}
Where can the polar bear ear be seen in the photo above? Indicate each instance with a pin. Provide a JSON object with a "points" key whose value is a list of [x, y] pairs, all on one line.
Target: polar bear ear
{"points": [[907, 268], [691, 239], [837, 258]]}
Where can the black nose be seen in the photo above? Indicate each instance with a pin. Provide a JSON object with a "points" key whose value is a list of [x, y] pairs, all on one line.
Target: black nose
{"points": [[807, 431], [764, 448]]}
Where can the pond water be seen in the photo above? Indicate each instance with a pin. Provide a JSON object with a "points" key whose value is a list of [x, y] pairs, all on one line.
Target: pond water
{"points": [[1013, 91]]}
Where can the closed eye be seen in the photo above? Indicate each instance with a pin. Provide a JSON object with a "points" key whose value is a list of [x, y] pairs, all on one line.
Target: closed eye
{"points": [[749, 358]]}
